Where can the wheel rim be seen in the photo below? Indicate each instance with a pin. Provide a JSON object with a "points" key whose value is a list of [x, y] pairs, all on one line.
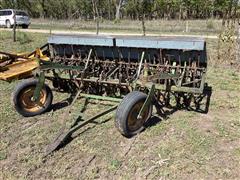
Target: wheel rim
{"points": [[134, 123], [8, 24], [26, 100]]}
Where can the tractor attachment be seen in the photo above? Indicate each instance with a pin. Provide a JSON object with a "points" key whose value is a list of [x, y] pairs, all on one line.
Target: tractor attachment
{"points": [[138, 72], [19, 66]]}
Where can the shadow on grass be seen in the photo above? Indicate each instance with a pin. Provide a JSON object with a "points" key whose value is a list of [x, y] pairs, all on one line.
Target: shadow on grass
{"points": [[65, 137], [201, 105], [60, 105]]}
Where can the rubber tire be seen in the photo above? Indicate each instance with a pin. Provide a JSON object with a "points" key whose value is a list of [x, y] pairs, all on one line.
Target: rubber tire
{"points": [[17, 92], [8, 24], [123, 110], [24, 26]]}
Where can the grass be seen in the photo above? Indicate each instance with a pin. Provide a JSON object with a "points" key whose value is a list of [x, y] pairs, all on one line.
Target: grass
{"points": [[25, 41], [185, 145], [200, 27]]}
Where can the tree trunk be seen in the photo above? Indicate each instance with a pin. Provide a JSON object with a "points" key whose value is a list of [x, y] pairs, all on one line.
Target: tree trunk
{"points": [[14, 27], [109, 10], [44, 12], [94, 10], [96, 15], [224, 19], [118, 8], [180, 13]]}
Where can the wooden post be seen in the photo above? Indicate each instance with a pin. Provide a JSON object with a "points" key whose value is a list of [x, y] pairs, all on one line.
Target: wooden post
{"points": [[187, 27], [97, 25], [14, 26], [51, 26], [238, 44], [143, 25]]}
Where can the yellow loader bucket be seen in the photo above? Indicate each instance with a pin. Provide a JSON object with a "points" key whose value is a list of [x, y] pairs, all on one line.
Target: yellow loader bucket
{"points": [[18, 70], [19, 66]]}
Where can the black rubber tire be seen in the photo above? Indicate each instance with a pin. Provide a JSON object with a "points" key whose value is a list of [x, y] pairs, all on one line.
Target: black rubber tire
{"points": [[20, 89], [124, 109], [8, 24], [25, 26]]}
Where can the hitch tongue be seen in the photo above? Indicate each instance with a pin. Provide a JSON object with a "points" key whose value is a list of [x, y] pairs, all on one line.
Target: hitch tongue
{"points": [[64, 136]]}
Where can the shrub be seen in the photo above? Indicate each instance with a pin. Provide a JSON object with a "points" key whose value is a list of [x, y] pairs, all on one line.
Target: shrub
{"points": [[23, 38], [210, 24]]}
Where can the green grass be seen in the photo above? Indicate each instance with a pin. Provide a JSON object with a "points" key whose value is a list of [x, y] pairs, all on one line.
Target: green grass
{"points": [[185, 145], [26, 42], [202, 27]]}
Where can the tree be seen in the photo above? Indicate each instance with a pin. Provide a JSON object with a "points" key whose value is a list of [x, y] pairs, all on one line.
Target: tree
{"points": [[118, 4], [117, 9]]}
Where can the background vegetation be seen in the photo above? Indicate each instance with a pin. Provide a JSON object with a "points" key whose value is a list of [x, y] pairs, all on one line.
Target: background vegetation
{"points": [[127, 9]]}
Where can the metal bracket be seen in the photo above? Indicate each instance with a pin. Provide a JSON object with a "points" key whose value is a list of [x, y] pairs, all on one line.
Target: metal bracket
{"points": [[134, 83], [89, 56], [45, 65], [202, 82], [147, 101], [140, 64], [39, 87], [182, 75]]}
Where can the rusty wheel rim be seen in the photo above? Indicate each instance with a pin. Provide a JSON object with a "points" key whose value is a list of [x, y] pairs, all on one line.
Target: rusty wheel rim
{"points": [[134, 123], [26, 100]]}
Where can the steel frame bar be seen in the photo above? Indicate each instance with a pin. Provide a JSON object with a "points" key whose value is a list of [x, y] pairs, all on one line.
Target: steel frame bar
{"points": [[104, 98], [147, 102], [173, 88], [39, 86]]}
